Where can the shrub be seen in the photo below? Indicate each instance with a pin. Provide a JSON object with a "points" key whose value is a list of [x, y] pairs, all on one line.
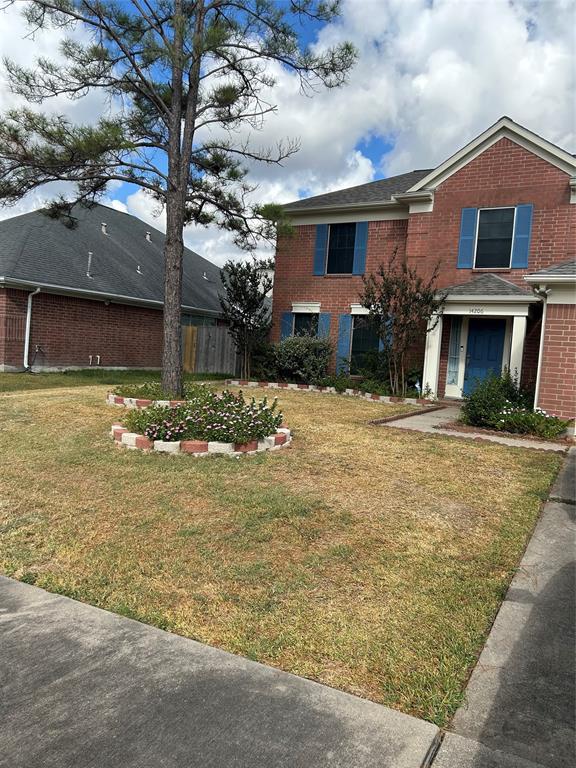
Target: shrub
{"points": [[264, 366], [527, 422], [152, 390], [339, 381], [498, 403], [489, 398], [223, 417], [303, 359]]}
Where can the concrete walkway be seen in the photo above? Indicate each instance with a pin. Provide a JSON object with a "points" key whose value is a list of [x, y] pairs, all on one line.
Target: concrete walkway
{"points": [[520, 702], [83, 688], [432, 423]]}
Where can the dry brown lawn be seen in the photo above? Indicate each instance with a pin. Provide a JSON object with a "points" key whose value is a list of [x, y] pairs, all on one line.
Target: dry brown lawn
{"points": [[370, 559]]}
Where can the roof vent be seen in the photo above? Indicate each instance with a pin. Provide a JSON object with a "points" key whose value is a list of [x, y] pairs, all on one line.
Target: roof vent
{"points": [[104, 228], [138, 270], [205, 276], [148, 237], [89, 267]]}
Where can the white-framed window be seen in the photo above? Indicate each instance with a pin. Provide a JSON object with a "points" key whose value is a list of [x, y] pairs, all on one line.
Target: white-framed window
{"points": [[340, 250], [305, 324], [494, 238]]}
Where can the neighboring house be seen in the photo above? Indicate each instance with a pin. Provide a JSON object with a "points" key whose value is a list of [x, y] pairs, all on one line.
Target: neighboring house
{"points": [[93, 294], [499, 216]]}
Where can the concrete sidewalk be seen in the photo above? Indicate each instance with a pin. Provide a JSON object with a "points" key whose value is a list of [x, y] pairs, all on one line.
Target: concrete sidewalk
{"points": [[83, 688], [520, 705], [432, 422]]}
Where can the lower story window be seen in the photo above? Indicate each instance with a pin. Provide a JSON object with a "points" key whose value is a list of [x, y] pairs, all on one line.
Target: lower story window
{"points": [[365, 342], [305, 324], [454, 351]]}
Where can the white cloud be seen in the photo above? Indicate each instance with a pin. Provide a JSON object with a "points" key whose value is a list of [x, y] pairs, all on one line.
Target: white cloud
{"points": [[430, 76]]}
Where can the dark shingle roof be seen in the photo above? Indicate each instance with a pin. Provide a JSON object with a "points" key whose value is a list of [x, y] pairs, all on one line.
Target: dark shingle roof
{"points": [[37, 249], [566, 268], [487, 285], [374, 192]]}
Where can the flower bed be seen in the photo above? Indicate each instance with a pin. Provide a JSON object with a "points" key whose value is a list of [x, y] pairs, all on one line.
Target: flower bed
{"points": [[209, 422], [122, 436], [329, 391]]}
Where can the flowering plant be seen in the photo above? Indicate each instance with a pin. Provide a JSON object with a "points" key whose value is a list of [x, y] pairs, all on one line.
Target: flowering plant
{"points": [[223, 417]]}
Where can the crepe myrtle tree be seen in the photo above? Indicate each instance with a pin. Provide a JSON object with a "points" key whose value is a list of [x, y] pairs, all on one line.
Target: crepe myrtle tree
{"points": [[246, 306], [402, 305], [188, 82]]}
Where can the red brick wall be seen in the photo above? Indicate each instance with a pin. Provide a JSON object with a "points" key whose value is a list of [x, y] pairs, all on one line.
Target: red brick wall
{"points": [[557, 393], [294, 279], [503, 175], [70, 329]]}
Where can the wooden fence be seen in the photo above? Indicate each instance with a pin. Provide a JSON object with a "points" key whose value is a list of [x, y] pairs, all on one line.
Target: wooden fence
{"points": [[208, 349]]}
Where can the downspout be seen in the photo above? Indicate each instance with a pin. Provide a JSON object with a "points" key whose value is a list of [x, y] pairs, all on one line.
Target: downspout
{"points": [[543, 293], [28, 328]]}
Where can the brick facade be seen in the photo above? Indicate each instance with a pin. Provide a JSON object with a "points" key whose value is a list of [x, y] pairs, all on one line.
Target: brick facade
{"points": [[70, 329], [503, 175], [557, 391]]}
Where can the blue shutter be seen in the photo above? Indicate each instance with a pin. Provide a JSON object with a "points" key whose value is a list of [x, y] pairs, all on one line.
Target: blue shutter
{"points": [[467, 238], [320, 249], [360, 244], [343, 346], [324, 324], [286, 325], [522, 230]]}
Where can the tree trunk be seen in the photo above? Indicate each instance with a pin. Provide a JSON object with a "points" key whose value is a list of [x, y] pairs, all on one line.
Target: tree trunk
{"points": [[172, 379]]}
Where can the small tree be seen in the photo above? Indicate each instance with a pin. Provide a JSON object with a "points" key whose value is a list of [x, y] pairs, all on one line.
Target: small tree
{"points": [[245, 306], [402, 305]]}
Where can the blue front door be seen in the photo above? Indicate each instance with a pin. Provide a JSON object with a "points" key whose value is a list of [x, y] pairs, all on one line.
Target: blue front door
{"points": [[484, 350]]}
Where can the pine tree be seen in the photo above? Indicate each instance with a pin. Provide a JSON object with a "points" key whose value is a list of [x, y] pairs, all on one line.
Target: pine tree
{"points": [[183, 77]]}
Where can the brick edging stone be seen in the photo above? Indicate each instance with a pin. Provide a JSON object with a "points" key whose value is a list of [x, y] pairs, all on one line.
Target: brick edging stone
{"points": [[137, 402], [121, 436], [328, 391]]}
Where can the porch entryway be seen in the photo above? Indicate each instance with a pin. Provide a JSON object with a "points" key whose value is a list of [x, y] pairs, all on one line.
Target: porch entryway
{"points": [[487, 320]]}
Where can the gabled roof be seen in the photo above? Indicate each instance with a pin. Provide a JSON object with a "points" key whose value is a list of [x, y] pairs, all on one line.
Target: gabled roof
{"points": [[38, 250], [384, 191], [487, 284], [503, 128], [380, 191]]}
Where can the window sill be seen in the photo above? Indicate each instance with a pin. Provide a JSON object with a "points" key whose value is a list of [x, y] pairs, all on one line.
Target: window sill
{"points": [[491, 269], [340, 276]]}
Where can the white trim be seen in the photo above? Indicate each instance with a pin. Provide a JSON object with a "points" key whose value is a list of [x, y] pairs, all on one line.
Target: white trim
{"points": [[432, 358], [516, 353], [495, 208], [504, 128], [540, 355], [550, 278], [344, 215], [484, 309], [561, 294], [358, 309], [490, 298], [306, 307]]}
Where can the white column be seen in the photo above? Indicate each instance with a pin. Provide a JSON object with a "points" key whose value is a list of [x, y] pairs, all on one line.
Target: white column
{"points": [[432, 358], [517, 346]]}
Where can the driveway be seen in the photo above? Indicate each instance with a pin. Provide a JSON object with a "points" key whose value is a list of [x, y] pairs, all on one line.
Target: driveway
{"points": [[83, 688]]}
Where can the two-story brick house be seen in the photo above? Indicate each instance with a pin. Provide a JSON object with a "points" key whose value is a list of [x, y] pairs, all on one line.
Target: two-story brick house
{"points": [[499, 216]]}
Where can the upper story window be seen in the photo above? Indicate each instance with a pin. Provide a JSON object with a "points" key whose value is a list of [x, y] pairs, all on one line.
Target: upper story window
{"points": [[340, 249], [305, 324], [495, 237], [341, 240]]}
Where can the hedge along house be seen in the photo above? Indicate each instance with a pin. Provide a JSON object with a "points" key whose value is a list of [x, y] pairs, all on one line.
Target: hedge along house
{"points": [[91, 295], [499, 216]]}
